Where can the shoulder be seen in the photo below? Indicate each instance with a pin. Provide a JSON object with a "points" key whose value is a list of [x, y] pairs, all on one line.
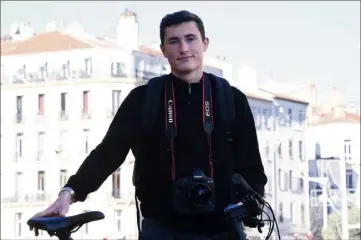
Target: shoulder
{"points": [[138, 93], [238, 95]]}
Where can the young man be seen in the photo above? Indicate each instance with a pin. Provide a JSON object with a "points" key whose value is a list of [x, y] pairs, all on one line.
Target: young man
{"points": [[183, 43]]}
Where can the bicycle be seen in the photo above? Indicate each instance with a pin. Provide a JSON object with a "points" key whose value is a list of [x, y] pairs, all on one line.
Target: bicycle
{"points": [[63, 227]]}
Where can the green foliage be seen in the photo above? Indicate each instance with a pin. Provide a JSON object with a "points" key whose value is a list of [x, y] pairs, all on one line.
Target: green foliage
{"points": [[334, 228]]}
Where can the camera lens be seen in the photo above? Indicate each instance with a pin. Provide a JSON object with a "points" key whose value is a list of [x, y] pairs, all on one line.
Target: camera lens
{"points": [[200, 194]]}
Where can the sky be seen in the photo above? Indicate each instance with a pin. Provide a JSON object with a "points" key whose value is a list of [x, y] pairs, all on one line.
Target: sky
{"points": [[305, 42]]}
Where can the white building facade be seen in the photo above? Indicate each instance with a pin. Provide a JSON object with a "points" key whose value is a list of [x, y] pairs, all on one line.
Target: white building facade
{"points": [[59, 93], [292, 196]]}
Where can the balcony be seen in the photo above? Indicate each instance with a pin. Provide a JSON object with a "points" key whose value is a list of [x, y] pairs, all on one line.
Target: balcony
{"points": [[19, 118], [39, 155], [26, 197], [144, 76], [18, 157], [86, 115], [116, 193], [64, 115]]}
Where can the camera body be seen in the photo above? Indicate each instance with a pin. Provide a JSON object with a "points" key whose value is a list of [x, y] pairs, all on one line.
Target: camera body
{"points": [[193, 195]]}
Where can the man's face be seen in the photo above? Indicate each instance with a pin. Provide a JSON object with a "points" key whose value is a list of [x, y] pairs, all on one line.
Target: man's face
{"points": [[183, 47]]}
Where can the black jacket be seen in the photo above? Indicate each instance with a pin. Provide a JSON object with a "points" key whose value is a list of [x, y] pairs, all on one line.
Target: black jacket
{"points": [[153, 162]]}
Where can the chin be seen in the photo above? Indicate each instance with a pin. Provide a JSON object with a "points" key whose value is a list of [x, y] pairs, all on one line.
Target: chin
{"points": [[187, 69]]}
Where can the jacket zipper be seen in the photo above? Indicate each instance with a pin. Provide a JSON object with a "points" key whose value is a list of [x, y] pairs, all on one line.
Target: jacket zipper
{"points": [[189, 93]]}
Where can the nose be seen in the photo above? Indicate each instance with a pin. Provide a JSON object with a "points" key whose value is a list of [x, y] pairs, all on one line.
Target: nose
{"points": [[183, 47]]}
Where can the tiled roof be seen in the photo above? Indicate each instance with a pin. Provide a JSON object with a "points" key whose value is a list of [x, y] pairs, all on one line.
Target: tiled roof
{"points": [[286, 97], [43, 42], [258, 94], [151, 51], [332, 118]]}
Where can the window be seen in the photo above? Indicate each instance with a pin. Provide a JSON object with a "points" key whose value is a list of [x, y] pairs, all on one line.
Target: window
{"points": [[65, 73], [290, 116], [88, 66], [63, 177], [116, 100], [303, 214], [349, 179], [44, 71], [41, 141], [116, 184], [63, 114], [63, 101], [41, 104], [290, 149], [19, 183], [86, 140], [267, 118], [259, 118], [118, 69], [267, 150], [85, 102], [283, 180], [347, 149], [279, 150], [118, 219], [18, 224], [280, 218], [300, 150], [19, 108], [41, 181], [300, 117], [63, 141], [292, 213], [19, 146], [280, 178], [290, 180]]}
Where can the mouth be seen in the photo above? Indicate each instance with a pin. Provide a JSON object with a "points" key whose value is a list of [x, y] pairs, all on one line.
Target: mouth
{"points": [[184, 58]]}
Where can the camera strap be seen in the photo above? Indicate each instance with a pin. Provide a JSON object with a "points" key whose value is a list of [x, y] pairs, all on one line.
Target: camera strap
{"points": [[171, 118]]}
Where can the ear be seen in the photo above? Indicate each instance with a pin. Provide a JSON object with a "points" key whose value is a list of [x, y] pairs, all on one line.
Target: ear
{"points": [[206, 43], [163, 50]]}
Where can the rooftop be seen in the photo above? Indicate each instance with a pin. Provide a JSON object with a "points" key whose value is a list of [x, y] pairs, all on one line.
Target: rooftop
{"points": [[52, 42], [335, 117]]}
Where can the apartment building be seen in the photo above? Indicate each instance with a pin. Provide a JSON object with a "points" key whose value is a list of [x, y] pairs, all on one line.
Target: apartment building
{"points": [[51, 122], [290, 198], [59, 92], [334, 140]]}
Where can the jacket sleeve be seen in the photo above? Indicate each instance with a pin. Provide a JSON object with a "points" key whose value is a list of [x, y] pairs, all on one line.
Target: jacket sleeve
{"points": [[248, 161], [109, 154]]}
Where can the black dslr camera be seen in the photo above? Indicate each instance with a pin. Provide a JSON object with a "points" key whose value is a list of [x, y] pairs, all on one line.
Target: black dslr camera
{"points": [[193, 195]]}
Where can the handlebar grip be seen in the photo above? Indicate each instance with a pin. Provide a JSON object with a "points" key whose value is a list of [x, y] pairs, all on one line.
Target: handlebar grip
{"points": [[238, 230]]}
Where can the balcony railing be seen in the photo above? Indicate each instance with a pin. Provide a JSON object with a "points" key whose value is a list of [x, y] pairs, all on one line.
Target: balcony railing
{"points": [[39, 155], [64, 115], [19, 118], [18, 157], [85, 115], [116, 193], [25, 197]]}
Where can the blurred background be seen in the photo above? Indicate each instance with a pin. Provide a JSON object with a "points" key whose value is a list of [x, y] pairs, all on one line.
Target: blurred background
{"points": [[67, 66]]}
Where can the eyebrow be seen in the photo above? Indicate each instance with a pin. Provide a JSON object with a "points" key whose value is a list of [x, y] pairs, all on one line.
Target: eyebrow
{"points": [[188, 35]]}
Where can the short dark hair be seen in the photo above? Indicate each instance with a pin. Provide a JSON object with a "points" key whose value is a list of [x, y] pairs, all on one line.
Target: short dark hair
{"points": [[177, 18]]}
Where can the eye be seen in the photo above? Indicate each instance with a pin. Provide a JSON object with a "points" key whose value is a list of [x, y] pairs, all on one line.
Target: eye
{"points": [[189, 39], [173, 41]]}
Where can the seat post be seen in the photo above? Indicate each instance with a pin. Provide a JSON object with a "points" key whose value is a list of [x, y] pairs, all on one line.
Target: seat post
{"points": [[63, 235]]}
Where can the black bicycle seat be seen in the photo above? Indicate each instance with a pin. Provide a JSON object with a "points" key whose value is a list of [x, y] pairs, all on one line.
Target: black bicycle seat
{"points": [[55, 224]]}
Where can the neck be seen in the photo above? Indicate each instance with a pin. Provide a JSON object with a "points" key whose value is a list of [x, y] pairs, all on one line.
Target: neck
{"points": [[191, 77]]}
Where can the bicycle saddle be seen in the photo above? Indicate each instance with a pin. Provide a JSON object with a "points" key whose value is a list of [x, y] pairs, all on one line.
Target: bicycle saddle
{"points": [[55, 224]]}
